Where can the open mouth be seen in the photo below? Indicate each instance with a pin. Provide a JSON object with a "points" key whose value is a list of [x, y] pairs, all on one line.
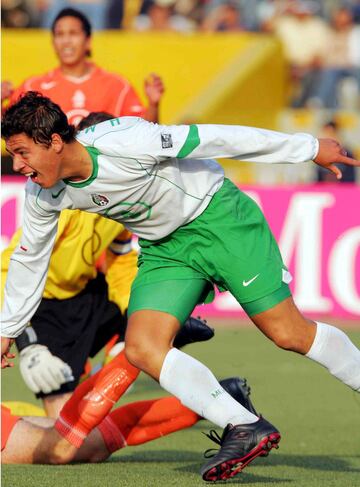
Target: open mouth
{"points": [[32, 175]]}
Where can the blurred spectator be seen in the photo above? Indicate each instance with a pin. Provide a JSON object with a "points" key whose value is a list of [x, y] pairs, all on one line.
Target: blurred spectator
{"points": [[225, 17], [267, 12], [115, 14], [19, 13], [245, 9], [305, 39], [342, 61], [161, 15], [96, 10], [355, 8], [80, 86], [331, 129]]}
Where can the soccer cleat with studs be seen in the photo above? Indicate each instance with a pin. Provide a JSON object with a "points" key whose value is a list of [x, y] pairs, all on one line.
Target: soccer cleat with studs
{"points": [[239, 445], [238, 388], [193, 330]]}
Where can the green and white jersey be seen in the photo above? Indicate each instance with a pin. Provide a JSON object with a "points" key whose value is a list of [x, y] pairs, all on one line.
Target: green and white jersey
{"points": [[152, 178]]}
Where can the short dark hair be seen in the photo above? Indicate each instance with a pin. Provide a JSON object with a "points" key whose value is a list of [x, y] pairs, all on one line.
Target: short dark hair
{"points": [[93, 118], [37, 117], [71, 12]]}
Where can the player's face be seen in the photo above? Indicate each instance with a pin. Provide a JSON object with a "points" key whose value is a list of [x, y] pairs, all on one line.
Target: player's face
{"points": [[70, 41], [36, 161]]}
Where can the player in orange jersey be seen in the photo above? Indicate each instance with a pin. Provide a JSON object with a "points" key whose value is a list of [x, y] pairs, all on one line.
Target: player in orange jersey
{"points": [[80, 86]]}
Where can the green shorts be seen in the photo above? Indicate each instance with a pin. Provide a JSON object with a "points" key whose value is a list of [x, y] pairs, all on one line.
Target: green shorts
{"points": [[229, 245]]}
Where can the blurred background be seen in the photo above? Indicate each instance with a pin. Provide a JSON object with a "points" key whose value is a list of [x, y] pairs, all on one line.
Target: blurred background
{"points": [[287, 65]]}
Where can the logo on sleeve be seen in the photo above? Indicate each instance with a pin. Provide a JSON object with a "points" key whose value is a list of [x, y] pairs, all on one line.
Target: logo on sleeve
{"points": [[166, 141], [100, 199]]}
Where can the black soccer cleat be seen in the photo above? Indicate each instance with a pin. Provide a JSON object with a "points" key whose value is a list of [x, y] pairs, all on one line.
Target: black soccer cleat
{"points": [[193, 330], [240, 391], [239, 445]]}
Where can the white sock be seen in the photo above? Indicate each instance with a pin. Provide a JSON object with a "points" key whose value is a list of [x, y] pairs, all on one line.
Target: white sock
{"points": [[335, 351], [197, 388]]}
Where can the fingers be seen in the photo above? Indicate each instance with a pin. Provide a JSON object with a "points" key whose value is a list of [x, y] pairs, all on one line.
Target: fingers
{"points": [[62, 372], [348, 160], [330, 153], [5, 354], [334, 169], [154, 79], [5, 360], [30, 382], [47, 381]]}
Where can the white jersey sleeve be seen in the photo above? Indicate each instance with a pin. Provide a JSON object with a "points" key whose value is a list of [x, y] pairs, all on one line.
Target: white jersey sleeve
{"points": [[152, 143], [227, 141], [254, 145], [28, 264]]}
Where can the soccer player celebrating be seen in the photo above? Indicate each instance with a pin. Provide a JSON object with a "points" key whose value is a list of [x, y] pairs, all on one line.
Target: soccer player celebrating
{"points": [[80, 86], [196, 229], [81, 310]]}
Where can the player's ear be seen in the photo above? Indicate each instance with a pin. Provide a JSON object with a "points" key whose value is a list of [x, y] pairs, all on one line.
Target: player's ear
{"points": [[88, 46], [57, 143]]}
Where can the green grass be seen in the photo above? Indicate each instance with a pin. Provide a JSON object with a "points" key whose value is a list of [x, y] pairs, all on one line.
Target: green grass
{"points": [[318, 417]]}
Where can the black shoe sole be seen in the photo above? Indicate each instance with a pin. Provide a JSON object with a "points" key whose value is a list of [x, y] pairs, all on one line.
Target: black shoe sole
{"points": [[230, 468]]}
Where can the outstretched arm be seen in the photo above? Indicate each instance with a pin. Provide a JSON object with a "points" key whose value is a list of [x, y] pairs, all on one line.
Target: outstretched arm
{"points": [[28, 265], [255, 145], [222, 141]]}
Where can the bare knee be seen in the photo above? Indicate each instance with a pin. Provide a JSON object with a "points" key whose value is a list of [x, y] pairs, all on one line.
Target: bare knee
{"points": [[286, 327], [148, 339], [147, 356], [139, 354], [297, 338], [284, 339]]}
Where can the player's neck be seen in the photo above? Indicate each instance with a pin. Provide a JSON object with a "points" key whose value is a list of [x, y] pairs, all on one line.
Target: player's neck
{"points": [[77, 70], [76, 162]]}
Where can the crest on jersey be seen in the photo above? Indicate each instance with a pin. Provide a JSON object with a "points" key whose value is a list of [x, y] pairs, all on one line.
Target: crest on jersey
{"points": [[99, 199], [166, 141]]}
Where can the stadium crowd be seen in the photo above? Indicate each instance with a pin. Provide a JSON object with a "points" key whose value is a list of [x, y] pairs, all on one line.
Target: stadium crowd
{"points": [[321, 38]]}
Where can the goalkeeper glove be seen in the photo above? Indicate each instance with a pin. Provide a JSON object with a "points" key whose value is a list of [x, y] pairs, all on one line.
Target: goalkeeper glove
{"points": [[42, 371]]}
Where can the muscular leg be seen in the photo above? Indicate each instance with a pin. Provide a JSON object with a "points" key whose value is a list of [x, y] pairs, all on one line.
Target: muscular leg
{"points": [[35, 440], [323, 343], [286, 327], [36, 443], [149, 338]]}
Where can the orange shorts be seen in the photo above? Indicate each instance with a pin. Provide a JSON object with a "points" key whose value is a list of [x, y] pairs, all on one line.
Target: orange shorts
{"points": [[8, 422]]}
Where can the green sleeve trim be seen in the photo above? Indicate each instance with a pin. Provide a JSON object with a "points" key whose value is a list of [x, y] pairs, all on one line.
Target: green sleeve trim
{"points": [[191, 142], [93, 152]]}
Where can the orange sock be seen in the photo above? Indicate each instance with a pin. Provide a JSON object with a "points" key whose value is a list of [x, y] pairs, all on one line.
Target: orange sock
{"points": [[143, 421], [93, 399]]}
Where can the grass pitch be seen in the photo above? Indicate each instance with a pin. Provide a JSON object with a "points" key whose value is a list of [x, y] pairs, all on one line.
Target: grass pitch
{"points": [[319, 419]]}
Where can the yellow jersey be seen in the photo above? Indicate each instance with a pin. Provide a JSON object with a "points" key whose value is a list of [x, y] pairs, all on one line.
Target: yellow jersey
{"points": [[81, 239]]}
